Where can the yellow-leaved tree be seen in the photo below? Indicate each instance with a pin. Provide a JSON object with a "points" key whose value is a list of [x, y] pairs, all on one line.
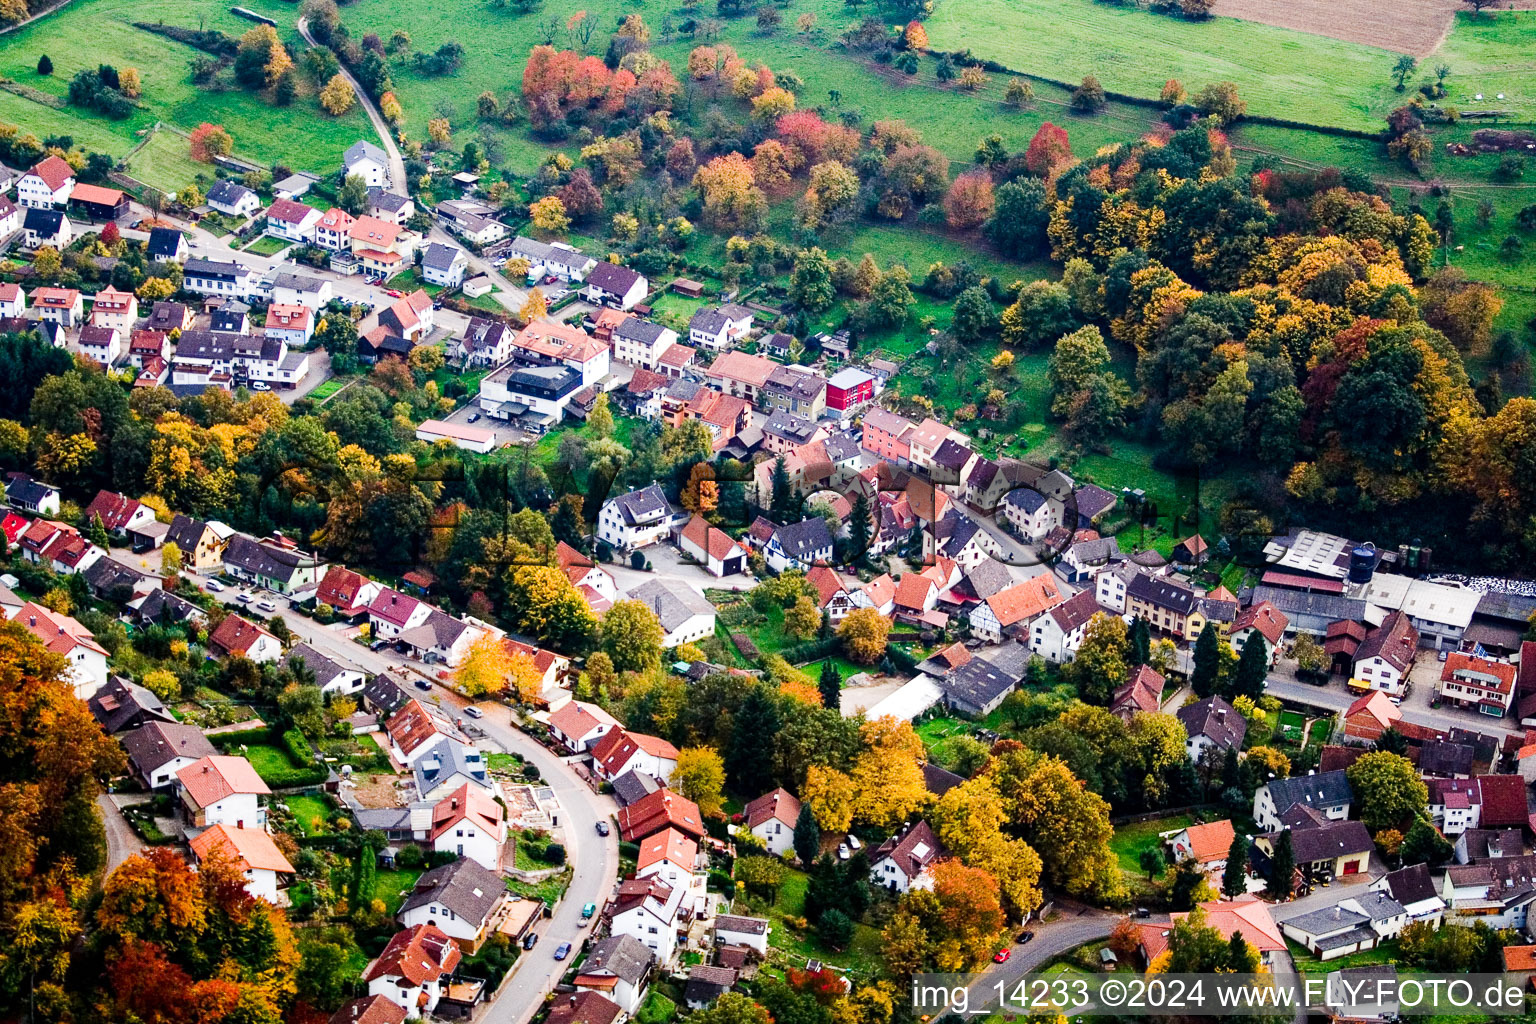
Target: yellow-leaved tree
{"points": [[700, 776]]}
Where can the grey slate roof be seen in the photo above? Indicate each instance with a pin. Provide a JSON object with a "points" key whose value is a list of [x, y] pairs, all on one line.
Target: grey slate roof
{"points": [[362, 149], [1325, 789], [623, 956], [228, 192], [673, 603], [212, 268], [637, 330], [611, 277], [163, 243], [787, 425], [1161, 592], [1216, 719], [1026, 499], [383, 692], [324, 668], [154, 744], [632, 786], [464, 887], [978, 683], [439, 256], [274, 563], [804, 539], [643, 505], [1411, 884], [380, 199], [121, 701]]}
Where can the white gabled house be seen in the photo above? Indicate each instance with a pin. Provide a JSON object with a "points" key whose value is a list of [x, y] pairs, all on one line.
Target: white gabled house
{"points": [[905, 861], [636, 520]]}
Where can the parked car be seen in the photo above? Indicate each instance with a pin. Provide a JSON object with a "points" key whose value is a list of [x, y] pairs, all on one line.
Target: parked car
{"points": [[602, 828], [1023, 937], [394, 293], [588, 910], [474, 416], [1001, 955], [266, 605], [378, 645], [260, 385], [213, 586], [842, 851], [422, 684], [244, 597], [853, 842], [474, 712], [530, 939], [562, 951]]}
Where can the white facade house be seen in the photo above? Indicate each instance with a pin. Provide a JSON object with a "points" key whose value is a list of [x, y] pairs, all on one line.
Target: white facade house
{"points": [[460, 898], [213, 277], [609, 284], [1327, 793], [101, 344], [635, 520], [85, 659], [619, 752], [232, 198], [577, 725], [905, 861], [13, 301], [1029, 512], [47, 184], [253, 854], [641, 343], [292, 221], [368, 162], [733, 930], [469, 823], [299, 290], [222, 790], [444, 265], [1057, 634], [686, 616], [771, 818], [718, 328], [648, 910], [415, 968]]}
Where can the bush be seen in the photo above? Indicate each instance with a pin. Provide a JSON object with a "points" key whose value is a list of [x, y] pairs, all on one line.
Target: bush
{"points": [[554, 853], [410, 858], [811, 650], [637, 560]]}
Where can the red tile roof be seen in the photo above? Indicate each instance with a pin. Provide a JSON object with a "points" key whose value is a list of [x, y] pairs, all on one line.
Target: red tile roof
{"points": [[210, 779], [576, 718], [468, 803], [288, 211], [618, 746], [1265, 618], [340, 587], [1504, 803], [658, 810], [95, 194], [419, 954], [668, 845], [247, 848], [235, 635], [54, 171], [369, 1010], [115, 509], [1024, 600], [780, 805], [1210, 841]]}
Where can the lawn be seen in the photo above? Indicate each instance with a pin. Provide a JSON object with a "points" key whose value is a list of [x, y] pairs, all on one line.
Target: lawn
{"points": [[675, 310], [1305, 962], [1290, 726], [1130, 840], [268, 760], [328, 388], [392, 886], [550, 890], [308, 811], [1280, 72], [526, 860], [266, 245], [162, 162], [81, 35]]}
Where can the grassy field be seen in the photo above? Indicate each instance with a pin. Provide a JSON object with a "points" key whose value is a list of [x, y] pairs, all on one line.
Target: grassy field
{"points": [[266, 245], [268, 760], [164, 163], [1281, 73], [88, 31], [862, 955]]}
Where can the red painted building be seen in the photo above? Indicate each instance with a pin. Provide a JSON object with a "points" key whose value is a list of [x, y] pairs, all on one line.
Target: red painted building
{"points": [[850, 387]]}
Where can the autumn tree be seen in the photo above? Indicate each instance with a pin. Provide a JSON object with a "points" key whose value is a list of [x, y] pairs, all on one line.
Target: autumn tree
{"points": [[831, 795], [810, 280], [700, 776], [1047, 150], [632, 636], [832, 197], [547, 606], [802, 619], [548, 216], [970, 200], [1100, 665], [915, 36], [534, 308], [207, 141], [732, 201], [863, 632], [1064, 822], [970, 916], [701, 494], [336, 98], [1089, 98]]}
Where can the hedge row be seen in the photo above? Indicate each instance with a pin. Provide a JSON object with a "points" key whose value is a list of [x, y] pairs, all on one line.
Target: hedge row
{"points": [[811, 650]]}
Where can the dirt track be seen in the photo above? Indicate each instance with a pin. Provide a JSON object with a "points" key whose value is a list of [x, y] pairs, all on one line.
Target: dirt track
{"points": [[1417, 27]]}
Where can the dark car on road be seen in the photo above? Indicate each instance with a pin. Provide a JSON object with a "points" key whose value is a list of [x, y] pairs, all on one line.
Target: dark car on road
{"points": [[562, 951], [530, 939], [602, 828]]}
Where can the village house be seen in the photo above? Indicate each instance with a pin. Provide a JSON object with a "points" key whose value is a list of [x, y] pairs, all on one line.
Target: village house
{"points": [[577, 725], [608, 284], [905, 860], [85, 659], [222, 790], [472, 221], [118, 513], [885, 435], [237, 636], [444, 265], [46, 227], [649, 910], [640, 342], [797, 391], [334, 678], [716, 328], [13, 301], [1141, 694], [1245, 914], [470, 823], [484, 343], [712, 548], [799, 545], [415, 729], [673, 857], [1412, 887], [849, 388], [635, 520], [292, 221], [656, 811], [293, 325], [746, 932], [120, 704], [168, 244], [253, 853], [740, 374], [542, 343], [1455, 805], [410, 317], [415, 967], [1352, 925], [1166, 605], [1029, 513], [1010, 611], [1383, 659], [333, 231], [347, 593], [1057, 634], [617, 967], [618, 751], [462, 899], [1498, 892], [272, 565], [1327, 793], [47, 185], [11, 219], [1471, 682], [62, 306], [832, 596], [1369, 716], [1262, 620], [231, 198], [220, 278], [202, 543], [369, 162], [1211, 725], [551, 259], [1207, 845], [158, 750], [115, 309], [389, 207], [772, 818]]}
